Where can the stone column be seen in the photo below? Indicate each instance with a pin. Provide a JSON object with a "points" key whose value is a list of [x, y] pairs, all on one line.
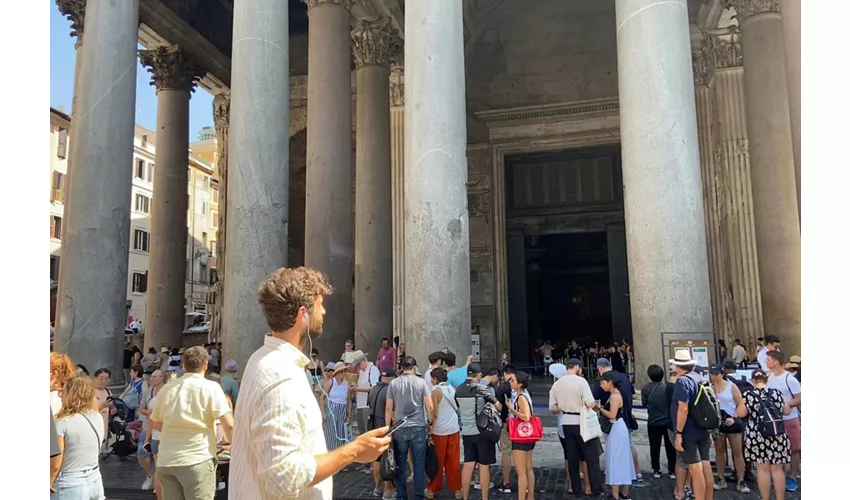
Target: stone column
{"points": [[257, 169], [221, 117], [665, 223], [777, 223], [173, 74], [397, 179], [741, 299], [373, 245], [93, 288], [328, 239], [436, 221], [712, 195], [791, 27]]}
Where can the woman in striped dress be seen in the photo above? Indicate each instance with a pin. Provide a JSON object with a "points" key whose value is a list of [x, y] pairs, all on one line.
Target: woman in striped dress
{"points": [[336, 413]]}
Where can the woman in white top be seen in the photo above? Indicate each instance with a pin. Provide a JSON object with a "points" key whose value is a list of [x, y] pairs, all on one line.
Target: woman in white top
{"points": [[104, 396], [61, 369], [336, 413], [445, 434], [74, 473], [731, 428]]}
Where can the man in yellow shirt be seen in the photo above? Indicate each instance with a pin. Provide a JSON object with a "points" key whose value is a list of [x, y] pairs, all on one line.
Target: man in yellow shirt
{"points": [[185, 413]]}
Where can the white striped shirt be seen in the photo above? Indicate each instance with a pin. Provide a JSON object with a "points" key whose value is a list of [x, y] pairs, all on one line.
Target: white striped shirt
{"points": [[277, 429]]}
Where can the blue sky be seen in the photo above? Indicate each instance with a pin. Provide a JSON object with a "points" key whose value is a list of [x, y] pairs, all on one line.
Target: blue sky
{"points": [[62, 57]]}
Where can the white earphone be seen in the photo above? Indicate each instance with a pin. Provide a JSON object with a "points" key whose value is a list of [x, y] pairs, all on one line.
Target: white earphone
{"points": [[344, 439]]}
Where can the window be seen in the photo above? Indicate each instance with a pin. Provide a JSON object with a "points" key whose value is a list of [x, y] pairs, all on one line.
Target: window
{"points": [[215, 195], [214, 219], [204, 208], [62, 149], [141, 240], [56, 227], [140, 169], [150, 172], [54, 268], [57, 193], [204, 239], [140, 282], [206, 182], [204, 274], [213, 248], [143, 204]]}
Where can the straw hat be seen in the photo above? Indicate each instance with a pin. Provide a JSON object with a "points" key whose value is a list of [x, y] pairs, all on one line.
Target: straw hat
{"points": [[164, 350], [338, 367], [682, 358], [795, 359], [358, 356]]}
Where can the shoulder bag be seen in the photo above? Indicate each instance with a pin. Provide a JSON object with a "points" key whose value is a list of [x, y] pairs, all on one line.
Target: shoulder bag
{"points": [[488, 421], [522, 432]]}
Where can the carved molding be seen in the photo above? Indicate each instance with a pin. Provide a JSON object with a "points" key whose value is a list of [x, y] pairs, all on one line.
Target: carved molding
{"points": [[748, 8], [704, 62], [221, 116], [171, 68], [75, 11], [221, 110], [345, 4], [728, 52], [397, 87], [548, 111], [374, 43]]}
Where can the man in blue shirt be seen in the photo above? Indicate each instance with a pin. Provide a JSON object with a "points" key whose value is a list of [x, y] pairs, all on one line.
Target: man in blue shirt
{"points": [[692, 442], [457, 375]]}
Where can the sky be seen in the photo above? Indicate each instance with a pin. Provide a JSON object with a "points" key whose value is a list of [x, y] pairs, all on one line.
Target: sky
{"points": [[62, 57]]}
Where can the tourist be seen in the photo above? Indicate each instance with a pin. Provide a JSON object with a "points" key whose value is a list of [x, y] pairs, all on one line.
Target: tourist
{"points": [[400, 352], [336, 414], [174, 361], [520, 406], [104, 396], [739, 354], [504, 358], [691, 441], [407, 397], [132, 394], [377, 401], [386, 355], [784, 382], [559, 370], [368, 376], [128, 360], [164, 355], [504, 394], [347, 356], [471, 397], [546, 349], [153, 436], [616, 360], [770, 453], [722, 350], [603, 366], [229, 384], [575, 352], [61, 369], [445, 434], [82, 370], [619, 465], [731, 428], [653, 398], [215, 359], [150, 359], [185, 413], [457, 375], [771, 343], [566, 398], [435, 360], [74, 472], [155, 383]]}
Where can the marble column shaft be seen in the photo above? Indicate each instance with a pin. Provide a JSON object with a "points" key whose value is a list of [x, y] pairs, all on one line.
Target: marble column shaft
{"points": [[174, 76], [373, 245], [93, 288], [436, 221], [328, 239], [258, 169], [732, 161], [791, 27], [221, 117], [777, 224], [397, 179], [665, 222]]}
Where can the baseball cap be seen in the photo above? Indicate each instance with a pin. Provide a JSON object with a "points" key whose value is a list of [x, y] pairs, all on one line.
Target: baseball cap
{"points": [[730, 364], [716, 369], [557, 370], [574, 362], [231, 366], [603, 362], [388, 373]]}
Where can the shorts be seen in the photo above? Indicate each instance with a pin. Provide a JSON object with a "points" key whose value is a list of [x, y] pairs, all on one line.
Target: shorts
{"points": [[679, 462], [363, 415], [792, 428], [696, 451], [141, 451], [154, 447], [479, 450], [505, 444]]}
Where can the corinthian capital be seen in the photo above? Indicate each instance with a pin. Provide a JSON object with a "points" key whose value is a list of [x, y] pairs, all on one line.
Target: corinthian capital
{"points": [[171, 68], [75, 11], [374, 43], [704, 62], [747, 8], [345, 4], [727, 52]]}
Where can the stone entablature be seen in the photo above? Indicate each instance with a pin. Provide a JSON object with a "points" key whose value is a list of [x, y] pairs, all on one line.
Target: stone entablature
{"points": [[171, 68]]}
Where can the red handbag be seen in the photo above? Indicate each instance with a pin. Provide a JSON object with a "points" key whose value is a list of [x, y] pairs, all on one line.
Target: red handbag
{"points": [[525, 432]]}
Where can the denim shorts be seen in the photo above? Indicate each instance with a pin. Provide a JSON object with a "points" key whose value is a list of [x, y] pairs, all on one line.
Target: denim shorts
{"points": [[141, 452], [82, 485]]}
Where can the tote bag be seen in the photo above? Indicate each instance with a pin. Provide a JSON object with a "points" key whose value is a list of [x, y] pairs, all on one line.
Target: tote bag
{"points": [[589, 426], [525, 432]]}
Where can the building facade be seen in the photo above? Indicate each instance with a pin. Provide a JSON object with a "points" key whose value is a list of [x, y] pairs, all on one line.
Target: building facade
{"points": [[517, 170]]}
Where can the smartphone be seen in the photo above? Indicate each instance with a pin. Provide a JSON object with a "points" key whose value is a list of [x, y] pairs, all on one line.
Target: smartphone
{"points": [[147, 447], [398, 424]]}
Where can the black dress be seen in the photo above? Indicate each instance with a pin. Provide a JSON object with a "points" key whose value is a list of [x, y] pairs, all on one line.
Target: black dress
{"points": [[758, 448]]}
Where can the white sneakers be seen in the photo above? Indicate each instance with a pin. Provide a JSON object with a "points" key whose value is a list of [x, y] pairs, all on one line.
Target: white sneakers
{"points": [[148, 484]]}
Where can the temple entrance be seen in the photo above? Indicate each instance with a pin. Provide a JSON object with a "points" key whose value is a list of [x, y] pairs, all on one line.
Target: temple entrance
{"points": [[566, 251]]}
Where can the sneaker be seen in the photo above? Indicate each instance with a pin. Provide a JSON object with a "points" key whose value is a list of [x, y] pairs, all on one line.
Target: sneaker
{"points": [[671, 475], [389, 495], [689, 492], [656, 474], [791, 484], [625, 497], [148, 483], [749, 477], [639, 477], [732, 477], [743, 488], [429, 494], [505, 488], [377, 492], [478, 486], [720, 484], [458, 495]]}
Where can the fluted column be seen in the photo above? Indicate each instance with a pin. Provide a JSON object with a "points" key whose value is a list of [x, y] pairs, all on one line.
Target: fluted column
{"points": [[665, 221], [397, 179], [93, 285], [436, 221], [373, 245], [712, 194], [777, 223], [257, 169], [791, 27], [328, 238], [221, 117], [742, 297], [174, 74]]}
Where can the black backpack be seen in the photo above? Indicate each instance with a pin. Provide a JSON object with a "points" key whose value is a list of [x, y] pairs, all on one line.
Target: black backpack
{"points": [[769, 417], [705, 410]]}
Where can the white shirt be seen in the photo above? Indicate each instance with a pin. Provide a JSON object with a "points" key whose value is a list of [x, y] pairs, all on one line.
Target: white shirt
{"points": [[277, 429], [366, 378], [761, 356], [788, 385], [154, 433], [427, 378], [739, 353], [569, 394]]}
